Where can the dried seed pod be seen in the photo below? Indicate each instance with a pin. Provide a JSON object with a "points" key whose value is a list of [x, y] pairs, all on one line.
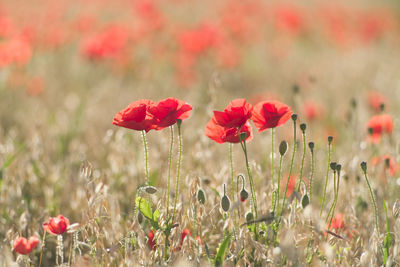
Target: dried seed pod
{"points": [[201, 196]]}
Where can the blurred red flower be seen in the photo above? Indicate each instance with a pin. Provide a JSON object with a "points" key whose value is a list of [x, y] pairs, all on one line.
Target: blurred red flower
{"points": [[56, 225], [312, 110], [270, 114], [150, 240], [136, 116], [291, 184], [185, 232], [378, 125], [25, 246], [376, 99], [168, 111], [337, 222]]}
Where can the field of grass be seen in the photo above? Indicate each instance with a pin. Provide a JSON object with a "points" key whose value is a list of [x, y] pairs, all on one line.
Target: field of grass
{"points": [[67, 68]]}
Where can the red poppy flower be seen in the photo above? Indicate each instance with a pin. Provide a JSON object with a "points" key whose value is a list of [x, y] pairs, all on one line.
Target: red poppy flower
{"points": [[337, 222], [136, 116], [270, 114], [150, 241], [56, 225], [168, 111], [25, 246], [376, 99], [291, 184], [393, 167], [378, 125], [222, 134], [235, 114], [312, 110], [185, 233]]}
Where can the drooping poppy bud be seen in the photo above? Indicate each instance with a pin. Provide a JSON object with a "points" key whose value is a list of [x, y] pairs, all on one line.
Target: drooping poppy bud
{"points": [[201, 196], [243, 195]]}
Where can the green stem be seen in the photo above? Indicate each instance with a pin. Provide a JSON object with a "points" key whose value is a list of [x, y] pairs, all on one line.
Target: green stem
{"points": [[291, 165], [312, 174], [272, 166], [253, 194], [178, 169], [277, 195], [326, 178], [231, 163], [42, 249], [169, 166], [146, 168], [334, 197], [302, 162], [373, 201]]}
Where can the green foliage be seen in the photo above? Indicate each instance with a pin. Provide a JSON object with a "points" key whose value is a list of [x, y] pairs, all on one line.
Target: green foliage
{"points": [[388, 238], [144, 207], [221, 251]]}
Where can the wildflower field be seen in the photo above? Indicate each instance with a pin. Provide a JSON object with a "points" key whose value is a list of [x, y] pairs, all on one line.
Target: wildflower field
{"points": [[199, 133]]}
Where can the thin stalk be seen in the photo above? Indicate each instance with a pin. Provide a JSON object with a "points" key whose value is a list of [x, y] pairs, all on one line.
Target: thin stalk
{"points": [[302, 161], [146, 166], [253, 194], [169, 165], [231, 165], [326, 178], [364, 168], [277, 195], [336, 198], [178, 168], [312, 173], [60, 250], [291, 163], [42, 249], [272, 167]]}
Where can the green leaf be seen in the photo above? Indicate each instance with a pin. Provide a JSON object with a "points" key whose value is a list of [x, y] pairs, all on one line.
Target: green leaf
{"points": [[156, 214], [220, 257], [144, 208]]}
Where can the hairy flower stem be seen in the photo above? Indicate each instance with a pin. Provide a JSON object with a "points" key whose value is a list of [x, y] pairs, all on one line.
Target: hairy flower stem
{"points": [[326, 178], [272, 168], [178, 172], [302, 161], [231, 165], [277, 195], [169, 166], [336, 198], [312, 174], [364, 168], [60, 250], [146, 166], [291, 164], [253, 194], [42, 249]]}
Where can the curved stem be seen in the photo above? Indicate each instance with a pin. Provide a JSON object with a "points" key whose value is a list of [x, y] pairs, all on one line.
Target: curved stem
{"points": [[291, 166], [169, 166], [373, 201], [178, 169], [253, 194], [326, 178]]}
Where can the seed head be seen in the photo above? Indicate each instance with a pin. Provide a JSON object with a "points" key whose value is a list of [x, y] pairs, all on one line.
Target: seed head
{"points": [[283, 148]]}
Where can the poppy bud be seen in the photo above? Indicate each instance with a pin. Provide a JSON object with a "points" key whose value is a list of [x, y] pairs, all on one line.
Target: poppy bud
{"points": [[303, 127], [243, 195], [201, 196], [150, 241], [283, 148], [333, 166], [225, 203], [249, 216], [364, 166], [330, 139], [338, 167], [150, 190], [305, 201], [311, 146], [396, 209], [294, 117]]}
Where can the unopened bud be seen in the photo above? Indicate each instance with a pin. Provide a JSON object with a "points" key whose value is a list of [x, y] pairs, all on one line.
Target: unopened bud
{"points": [[303, 127], [330, 139], [364, 166], [150, 189], [311, 146], [333, 166], [225, 203], [294, 117], [249, 216], [201, 196], [305, 201], [244, 195], [283, 148], [338, 167]]}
